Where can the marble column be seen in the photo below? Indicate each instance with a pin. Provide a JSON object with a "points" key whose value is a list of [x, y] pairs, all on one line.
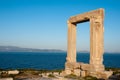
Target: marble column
{"points": [[71, 51], [96, 43]]}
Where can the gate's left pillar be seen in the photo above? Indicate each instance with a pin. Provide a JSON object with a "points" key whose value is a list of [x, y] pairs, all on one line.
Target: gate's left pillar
{"points": [[71, 51]]}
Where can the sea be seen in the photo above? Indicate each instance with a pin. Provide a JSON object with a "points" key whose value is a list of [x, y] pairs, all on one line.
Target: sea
{"points": [[49, 60]]}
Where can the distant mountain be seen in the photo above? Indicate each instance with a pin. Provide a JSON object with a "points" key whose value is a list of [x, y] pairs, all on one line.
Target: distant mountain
{"points": [[19, 49], [85, 51]]}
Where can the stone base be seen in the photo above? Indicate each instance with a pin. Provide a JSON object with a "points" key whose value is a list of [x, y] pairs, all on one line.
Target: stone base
{"points": [[96, 68], [71, 68], [104, 74], [81, 69]]}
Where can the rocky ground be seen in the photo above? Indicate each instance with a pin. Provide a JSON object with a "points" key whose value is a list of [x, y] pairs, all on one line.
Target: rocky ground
{"points": [[30, 74]]}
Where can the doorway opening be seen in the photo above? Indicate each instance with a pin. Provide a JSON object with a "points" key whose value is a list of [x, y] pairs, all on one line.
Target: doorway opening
{"points": [[83, 42]]}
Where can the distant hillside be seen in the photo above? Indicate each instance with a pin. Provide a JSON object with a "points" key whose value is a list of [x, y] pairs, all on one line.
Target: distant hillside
{"points": [[19, 49]]}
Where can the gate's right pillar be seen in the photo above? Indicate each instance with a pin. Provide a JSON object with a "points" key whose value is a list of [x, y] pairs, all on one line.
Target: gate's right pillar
{"points": [[96, 44]]}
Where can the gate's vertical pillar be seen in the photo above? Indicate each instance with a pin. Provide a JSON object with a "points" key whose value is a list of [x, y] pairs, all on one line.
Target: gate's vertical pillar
{"points": [[96, 43], [71, 51]]}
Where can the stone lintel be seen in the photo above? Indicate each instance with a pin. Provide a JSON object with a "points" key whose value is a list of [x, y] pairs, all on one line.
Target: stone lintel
{"points": [[86, 16]]}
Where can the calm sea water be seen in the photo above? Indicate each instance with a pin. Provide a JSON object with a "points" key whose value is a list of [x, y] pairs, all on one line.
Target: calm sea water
{"points": [[47, 60]]}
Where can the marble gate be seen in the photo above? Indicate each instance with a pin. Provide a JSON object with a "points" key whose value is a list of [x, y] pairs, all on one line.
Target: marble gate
{"points": [[95, 66]]}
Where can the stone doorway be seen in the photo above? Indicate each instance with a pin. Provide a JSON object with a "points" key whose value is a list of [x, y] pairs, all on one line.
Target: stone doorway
{"points": [[95, 66]]}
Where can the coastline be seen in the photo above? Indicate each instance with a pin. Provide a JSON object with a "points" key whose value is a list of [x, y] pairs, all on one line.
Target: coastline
{"points": [[33, 74]]}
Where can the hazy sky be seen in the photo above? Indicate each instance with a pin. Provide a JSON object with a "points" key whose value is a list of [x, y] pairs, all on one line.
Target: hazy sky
{"points": [[43, 23]]}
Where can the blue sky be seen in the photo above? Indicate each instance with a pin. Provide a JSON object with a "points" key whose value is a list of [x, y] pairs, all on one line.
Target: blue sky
{"points": [[43, 23]]}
